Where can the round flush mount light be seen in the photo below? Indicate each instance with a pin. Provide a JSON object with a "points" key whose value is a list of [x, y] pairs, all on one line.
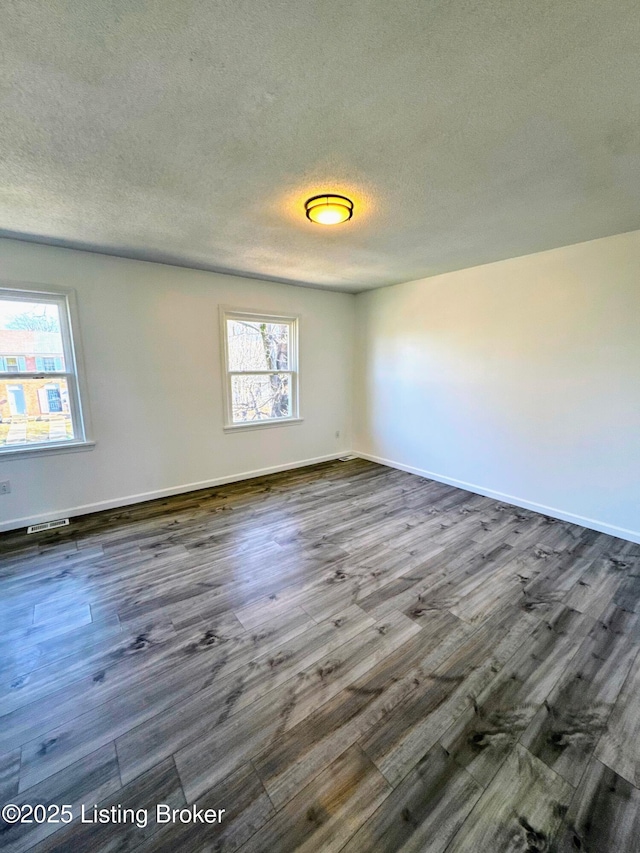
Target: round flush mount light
{"points": [[329, 209]]}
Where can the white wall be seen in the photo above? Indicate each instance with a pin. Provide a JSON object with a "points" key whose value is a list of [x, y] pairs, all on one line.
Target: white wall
{"points": [[519, 379], [150, 336]]}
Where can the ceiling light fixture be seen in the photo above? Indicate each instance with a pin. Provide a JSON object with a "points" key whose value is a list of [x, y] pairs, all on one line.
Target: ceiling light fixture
{"points": [[329, 209]]}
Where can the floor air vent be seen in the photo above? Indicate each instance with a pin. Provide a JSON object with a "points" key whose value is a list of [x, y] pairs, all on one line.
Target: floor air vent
{"points": [[48, 525]]}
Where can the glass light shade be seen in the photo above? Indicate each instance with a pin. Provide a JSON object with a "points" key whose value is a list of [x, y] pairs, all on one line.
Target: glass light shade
{"points": [[329, 209]]}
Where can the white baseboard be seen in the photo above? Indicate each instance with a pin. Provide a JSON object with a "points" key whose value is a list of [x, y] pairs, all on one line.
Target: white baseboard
{"points": [[128, 500], [591, 523]]}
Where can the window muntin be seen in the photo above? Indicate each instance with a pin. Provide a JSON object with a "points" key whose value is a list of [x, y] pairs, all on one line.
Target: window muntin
{"points": [[39, 396], [261, 368]]}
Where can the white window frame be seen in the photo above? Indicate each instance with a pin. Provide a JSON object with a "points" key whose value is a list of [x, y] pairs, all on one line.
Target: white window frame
{"points": [[293, 321], [74, 373]]}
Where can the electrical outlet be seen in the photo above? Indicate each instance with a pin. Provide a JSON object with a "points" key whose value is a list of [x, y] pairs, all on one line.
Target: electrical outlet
{"points": [[5, 487]]}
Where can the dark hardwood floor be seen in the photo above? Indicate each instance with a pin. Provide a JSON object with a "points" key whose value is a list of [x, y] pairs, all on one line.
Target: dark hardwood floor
{"points": [[344, 658]]}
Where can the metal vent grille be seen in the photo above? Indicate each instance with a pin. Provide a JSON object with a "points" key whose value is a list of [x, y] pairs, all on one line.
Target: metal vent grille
{"points": [[48, 525]]}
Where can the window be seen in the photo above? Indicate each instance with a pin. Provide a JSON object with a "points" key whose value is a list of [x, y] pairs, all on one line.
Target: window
{"points": [[13, 364], [39, 393], [261, 364], [49, 364]]}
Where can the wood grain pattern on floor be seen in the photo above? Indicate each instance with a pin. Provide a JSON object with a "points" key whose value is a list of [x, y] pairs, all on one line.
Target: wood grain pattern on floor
{"points": [[344, 657]]}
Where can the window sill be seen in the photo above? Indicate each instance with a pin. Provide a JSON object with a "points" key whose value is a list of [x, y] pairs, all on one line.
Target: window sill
{"points": [[45, 449], [262, 424]]}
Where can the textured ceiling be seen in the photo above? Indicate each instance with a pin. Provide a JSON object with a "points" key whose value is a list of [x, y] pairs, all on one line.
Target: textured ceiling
{"points": [[192, 131]]}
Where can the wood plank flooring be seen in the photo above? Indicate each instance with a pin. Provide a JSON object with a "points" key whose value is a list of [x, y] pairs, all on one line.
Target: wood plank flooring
{"points": [[343, 658]]}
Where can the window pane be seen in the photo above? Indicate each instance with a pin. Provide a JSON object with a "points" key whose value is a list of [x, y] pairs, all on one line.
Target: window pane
{"points": [[34, 411], [261, 397], [30, 337], [258, 346]]}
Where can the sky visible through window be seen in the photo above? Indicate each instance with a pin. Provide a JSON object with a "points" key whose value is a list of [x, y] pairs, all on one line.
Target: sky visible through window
{"points": [[40, 315]]}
